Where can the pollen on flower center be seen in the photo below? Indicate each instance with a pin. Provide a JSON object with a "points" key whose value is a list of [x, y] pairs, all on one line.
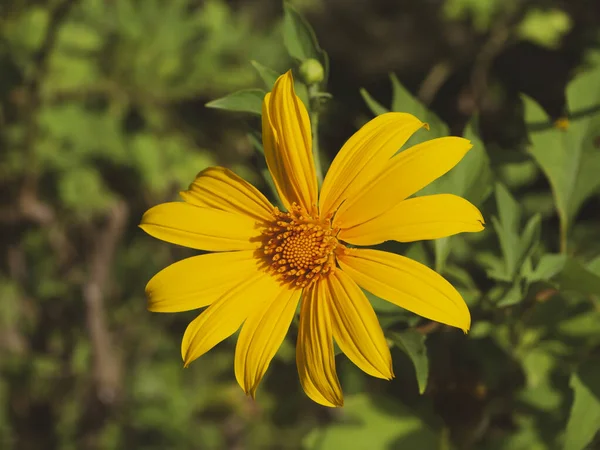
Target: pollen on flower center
{"points": [[298, 248]]}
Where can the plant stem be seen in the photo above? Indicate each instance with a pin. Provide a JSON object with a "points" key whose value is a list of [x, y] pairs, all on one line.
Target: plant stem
{"points": [[314, 100], [563, 236]]}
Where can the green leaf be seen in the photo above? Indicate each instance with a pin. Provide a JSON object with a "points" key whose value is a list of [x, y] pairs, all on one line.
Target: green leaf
{"points": [[586, 325], [418, 252], [544, 396], [380, 305], [517, 249], [583, 93], [511, 296], [526, 436], [269, 76], [471, 178], [162, 161], [376, 108], [480, 329], [300, 39], [568, 273], [507, 227], [397, 427], [529, 239], [462, 277], [246, 100], [495, 266], [545, 27], [404, 101], [83, 190], [569, 158], [413, 344], [584, 420], [519, 174], [577, 277], [548, 266], [594, 265], [538, 364], [85, 133], [481, 14]]}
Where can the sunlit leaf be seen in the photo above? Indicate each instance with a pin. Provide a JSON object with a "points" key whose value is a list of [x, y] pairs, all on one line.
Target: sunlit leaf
{"points": [[397, 427], [545, 27], [481, 13], [569, 158], [83, 190]]}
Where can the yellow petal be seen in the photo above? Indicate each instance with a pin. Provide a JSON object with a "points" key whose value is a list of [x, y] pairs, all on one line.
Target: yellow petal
{"points": [[288, 145], [201, 228], [416, 219], [356, 328], [364, 156], [221, 319], [408, 284], [314, 349], [220, 188], [198, 281], [405, 174], [261, 335]]}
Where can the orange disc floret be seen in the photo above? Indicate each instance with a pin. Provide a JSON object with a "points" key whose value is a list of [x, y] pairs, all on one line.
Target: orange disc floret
{"points": [[298, 248]]}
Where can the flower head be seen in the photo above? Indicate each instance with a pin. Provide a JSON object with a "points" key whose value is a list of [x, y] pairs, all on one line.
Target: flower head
{"points": [[265, 261]]}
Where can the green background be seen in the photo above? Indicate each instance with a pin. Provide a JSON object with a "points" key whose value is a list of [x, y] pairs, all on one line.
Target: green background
{"points": [[102, 115]]}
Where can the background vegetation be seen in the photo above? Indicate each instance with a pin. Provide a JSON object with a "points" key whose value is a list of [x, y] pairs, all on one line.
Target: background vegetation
{"points": [[102, 115]]}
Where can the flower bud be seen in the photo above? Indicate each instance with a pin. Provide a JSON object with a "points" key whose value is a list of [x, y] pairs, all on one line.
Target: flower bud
{"points": [[311, 71]]}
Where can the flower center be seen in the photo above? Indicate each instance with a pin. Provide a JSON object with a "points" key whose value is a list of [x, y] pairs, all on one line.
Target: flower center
{"points": [[298, 248]]}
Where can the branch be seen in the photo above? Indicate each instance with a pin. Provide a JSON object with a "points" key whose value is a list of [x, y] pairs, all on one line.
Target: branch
{"points": [[500, 36], [434, 80], [107, 365]]}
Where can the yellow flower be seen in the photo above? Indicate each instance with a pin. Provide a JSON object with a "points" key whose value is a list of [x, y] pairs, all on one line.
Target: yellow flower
{"points": [[265, 259]]}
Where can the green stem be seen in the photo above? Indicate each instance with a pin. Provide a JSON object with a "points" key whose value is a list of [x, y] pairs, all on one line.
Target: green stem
{"points": [[563, 236], [313, 95]]}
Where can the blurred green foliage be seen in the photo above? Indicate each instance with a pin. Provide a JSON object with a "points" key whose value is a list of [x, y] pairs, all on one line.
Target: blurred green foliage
{"points": [[101, 117]]}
